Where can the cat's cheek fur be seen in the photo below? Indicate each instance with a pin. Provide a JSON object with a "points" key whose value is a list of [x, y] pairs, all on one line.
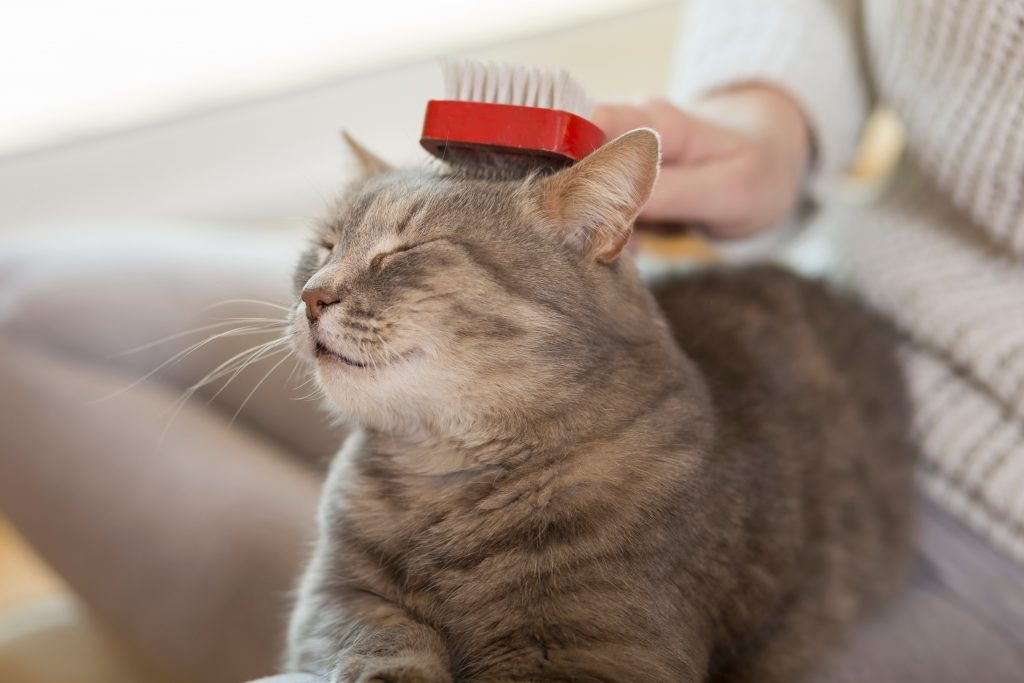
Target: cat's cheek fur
{"points": [[404, 396]]}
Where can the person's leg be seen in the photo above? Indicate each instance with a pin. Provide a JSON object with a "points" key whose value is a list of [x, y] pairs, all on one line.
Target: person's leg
{"points": [[98, 296], [185, 534], [960, 619], [186, 545]]}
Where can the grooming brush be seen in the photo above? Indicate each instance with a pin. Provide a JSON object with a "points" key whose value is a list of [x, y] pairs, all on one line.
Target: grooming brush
{"points": [[528, 117], [520, 114]]}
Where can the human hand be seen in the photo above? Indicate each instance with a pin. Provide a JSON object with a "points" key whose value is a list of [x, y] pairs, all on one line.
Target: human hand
{"points": [[732, 166]]}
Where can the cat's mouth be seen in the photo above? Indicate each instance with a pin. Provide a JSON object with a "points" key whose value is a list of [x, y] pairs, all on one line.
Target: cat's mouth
{"points": [[321, 351], [324, 352]]}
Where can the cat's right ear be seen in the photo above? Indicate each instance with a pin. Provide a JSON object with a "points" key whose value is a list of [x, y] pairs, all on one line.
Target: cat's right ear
{"points": [[595, 201], [369, 163]]}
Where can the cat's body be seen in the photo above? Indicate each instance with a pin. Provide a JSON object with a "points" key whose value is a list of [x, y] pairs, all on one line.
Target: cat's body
{"points": [[597, 495]]}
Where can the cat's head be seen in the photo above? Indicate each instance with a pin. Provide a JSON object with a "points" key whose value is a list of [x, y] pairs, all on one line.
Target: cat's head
{"points": [[437, 299]]}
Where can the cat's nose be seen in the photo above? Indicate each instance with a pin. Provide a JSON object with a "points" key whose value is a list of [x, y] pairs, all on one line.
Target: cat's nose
{"points": [[317, 299]]}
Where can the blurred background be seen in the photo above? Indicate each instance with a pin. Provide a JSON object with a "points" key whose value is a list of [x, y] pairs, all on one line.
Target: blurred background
{"points": [[230, 111], [120, 117]]}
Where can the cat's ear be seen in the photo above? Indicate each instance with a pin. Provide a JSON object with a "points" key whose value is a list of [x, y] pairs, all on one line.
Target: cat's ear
{"points": [[369, 163], [596, 201]]}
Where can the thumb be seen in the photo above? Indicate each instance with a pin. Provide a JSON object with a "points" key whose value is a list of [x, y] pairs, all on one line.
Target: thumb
{"points": [[616, 119], [707, 195], [687, 139]]}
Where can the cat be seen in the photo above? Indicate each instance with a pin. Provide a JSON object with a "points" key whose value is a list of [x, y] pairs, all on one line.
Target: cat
{"points": [[562, 475]]}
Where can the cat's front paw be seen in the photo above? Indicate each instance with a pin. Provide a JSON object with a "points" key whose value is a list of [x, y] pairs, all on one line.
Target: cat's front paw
{"points": [[395, 669]]}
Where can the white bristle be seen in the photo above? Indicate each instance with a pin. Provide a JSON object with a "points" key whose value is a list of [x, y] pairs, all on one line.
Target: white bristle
{"points": [[475, 81], [491, 87], [477, 88], [532, 88], [504, 84], [545, 95]]}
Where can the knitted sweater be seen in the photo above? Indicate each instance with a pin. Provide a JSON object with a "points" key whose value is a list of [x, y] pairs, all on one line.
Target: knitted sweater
{"points": [[943, 253]]}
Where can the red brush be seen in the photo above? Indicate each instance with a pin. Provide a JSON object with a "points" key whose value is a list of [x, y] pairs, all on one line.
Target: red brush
{"points": [[534, 116], [500, 116]]}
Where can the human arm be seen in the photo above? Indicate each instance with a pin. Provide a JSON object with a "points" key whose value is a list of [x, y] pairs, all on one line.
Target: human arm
{"points": [[766, 98]]}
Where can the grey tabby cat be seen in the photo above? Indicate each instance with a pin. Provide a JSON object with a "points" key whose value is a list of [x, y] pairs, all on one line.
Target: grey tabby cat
{"points": [[560, 476]]}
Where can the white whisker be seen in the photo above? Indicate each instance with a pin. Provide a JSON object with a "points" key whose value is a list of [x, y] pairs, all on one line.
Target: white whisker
{"points": [[237, 332], [387, 347], [258, 385], [235, 363], [260, 302], [194, 330], [311, 378], [317, 393], [291, 375], [264, 350], [176, 407]]}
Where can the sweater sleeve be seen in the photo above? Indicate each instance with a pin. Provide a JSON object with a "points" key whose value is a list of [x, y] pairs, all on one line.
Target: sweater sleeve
{"points": [[805, 47]]}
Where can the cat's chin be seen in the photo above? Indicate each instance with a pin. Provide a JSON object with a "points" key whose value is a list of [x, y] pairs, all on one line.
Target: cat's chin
{"points": [[389, 398], [324, 354]]}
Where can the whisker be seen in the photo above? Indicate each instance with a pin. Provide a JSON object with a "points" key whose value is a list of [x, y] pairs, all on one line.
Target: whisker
{"points": [[235, 362], [307, 366], [194, 330], [237, 332], [309, 379], [216, 373], [291, 375], [374, 353], [368, 355], [318, 392], [238, 362], [260, 302], [387, 348], [276, 321], [263, 351], [258, 385]]}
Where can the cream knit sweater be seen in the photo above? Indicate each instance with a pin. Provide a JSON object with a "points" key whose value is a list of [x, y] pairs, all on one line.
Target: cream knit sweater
{"points": [[943, 252]]}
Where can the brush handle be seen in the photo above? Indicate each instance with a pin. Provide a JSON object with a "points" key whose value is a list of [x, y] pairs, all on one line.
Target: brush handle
{"points": [[508, 128]]}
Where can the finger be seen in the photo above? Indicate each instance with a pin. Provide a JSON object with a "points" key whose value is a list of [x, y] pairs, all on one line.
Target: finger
{"points": [[714, 195], [616, 119], [672, 125], [686, 138]]}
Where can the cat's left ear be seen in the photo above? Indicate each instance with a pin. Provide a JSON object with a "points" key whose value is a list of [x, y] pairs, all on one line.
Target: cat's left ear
{"points": [[596, 201], [369, 163]]}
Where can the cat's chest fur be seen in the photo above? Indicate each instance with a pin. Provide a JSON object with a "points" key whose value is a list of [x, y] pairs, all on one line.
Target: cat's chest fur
{"points": [[444, 518], [509, 555]]}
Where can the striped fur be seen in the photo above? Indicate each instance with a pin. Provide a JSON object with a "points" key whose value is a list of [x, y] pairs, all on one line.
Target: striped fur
{"points": [[560, 476]]}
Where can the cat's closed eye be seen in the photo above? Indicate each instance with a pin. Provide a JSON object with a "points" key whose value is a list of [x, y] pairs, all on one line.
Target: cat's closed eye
{"points": [[378, 260], [324, 248]]}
